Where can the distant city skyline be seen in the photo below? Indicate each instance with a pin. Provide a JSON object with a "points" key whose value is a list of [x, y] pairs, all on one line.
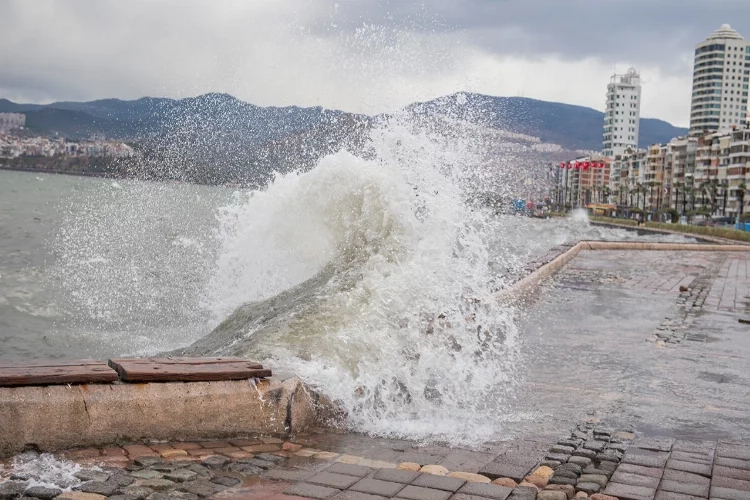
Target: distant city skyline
{"points": [[366, 56]]}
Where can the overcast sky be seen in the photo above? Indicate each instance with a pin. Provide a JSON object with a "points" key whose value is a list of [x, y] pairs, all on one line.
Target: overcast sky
{"points": [[357, 55]]}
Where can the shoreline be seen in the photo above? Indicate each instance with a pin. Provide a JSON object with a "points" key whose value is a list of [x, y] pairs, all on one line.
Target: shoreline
{"points": [[60, 172]]}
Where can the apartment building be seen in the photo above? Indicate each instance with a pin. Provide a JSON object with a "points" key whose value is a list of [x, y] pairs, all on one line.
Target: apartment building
{"points": [[622, 114]]}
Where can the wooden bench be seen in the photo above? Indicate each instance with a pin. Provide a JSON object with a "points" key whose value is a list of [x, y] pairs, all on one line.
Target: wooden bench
{"points": [[89, 371]]}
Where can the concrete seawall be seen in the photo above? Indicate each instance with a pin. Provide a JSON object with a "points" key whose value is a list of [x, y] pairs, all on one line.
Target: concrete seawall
{"points": [[57, 417]]}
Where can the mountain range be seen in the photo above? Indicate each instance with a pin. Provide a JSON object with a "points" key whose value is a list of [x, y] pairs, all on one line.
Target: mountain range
{"points": [[212, 118]]}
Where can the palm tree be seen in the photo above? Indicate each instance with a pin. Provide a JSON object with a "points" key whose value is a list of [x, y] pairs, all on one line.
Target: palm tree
{"points": [[741, 195], [677, 187], [605, 193]]}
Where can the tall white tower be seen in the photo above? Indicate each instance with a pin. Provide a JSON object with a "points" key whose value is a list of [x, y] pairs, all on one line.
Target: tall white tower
{"points": [[720, 80], [623, 113]]}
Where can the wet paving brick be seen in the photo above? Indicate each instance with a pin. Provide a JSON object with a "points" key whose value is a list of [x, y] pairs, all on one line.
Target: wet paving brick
{"points": [[698, 490], [484, 490], [339, 481], [419, 493], [635, 479], [629, 492], [377, 487], [720, 493], [311, 491], [645, 458], [439, 482], [396, 475], [356, 495], [702, 469], [685, 477], [349, 469]]}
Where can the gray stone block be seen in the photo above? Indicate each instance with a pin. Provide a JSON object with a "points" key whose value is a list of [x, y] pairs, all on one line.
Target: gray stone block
{"points": [[728, 493], [635, 479], [685, 477], [645, 458], [396, 475], [494, 470], [589, 488], [419, 493], [332, 480], [439, 482], [349, 469], [698, 490], [494, 491], [377, 487], [42, 493], [702, 469], [311, 491], [629, 492], [356, 495], [640, 470]]}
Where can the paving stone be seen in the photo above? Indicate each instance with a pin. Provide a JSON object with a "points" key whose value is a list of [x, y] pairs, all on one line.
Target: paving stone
{"points": [[215, 461], [552, 464], [595, 445], [227, 481], [557, 457], [495, 470], [741, 452], [79, 495], [575, 443], [687, 456], [640, 470], [270, 458], [263, 464], [635, 479], [698, 490], [670, 495], [570, 467], [645, 458], [181, 475], [466, 461], [563, 449], [685, 477], [720, 493], [137, 492], [91, 475], [419, 493], [377, 487], [599, 479], [333, 480], [654, 443], [244, 469], [729, 482], [702, 469], [523, 493], [105, 488], [582, 461], [551, 495], [158, 484], [694, 446], [722, 471], [199, 469], [629, 492], [621, 447], [356, 495], [147, 461], [349, 469], [311, 491], [484, 490], [589, 488], [120, 497], [732, 462], [121, 479], [439, 482], [563, 480], [396, 475], [608, 466], [201, 488], [560, 472], [582, 452], [598, 472], [287, 473], [42, 492], [145, 474]]}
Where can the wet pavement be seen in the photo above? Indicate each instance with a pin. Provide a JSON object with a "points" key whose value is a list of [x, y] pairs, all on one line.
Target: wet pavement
{"points": [[612, 337], [634, 383]]}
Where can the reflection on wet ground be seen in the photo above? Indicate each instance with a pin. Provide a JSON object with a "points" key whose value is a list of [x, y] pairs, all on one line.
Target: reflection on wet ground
{"points": [[613, 337]]}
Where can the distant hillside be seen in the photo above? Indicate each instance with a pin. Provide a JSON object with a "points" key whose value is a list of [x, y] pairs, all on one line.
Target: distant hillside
{"points": [[573, 127], [216, 119]]}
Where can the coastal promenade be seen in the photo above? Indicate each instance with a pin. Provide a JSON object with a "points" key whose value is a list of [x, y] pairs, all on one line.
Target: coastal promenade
{"points": [[632, 379]]}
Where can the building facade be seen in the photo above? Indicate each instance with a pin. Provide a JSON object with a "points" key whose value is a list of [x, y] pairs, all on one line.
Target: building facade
{"points": [[622, 114], [720, 82], [10, 121]]}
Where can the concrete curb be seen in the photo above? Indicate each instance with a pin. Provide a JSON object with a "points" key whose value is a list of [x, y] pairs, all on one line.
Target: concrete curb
{"points": [[50, 418], [522, 287]]}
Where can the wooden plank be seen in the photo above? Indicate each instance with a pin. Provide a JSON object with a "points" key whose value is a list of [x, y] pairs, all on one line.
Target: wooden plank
{"points": [[186, 361], [14, 375], [52, 363], [186, 370]]}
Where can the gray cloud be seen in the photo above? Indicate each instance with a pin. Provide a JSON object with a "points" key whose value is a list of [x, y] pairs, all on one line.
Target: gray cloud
{"points": [[359, 55]]}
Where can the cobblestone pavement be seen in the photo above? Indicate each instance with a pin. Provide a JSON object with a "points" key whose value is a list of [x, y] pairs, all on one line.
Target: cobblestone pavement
{"points": [[592, 461]]}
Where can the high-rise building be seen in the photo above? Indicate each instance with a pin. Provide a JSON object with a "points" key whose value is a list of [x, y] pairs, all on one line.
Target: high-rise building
{"points": [[720, 80], [622, 116]]}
